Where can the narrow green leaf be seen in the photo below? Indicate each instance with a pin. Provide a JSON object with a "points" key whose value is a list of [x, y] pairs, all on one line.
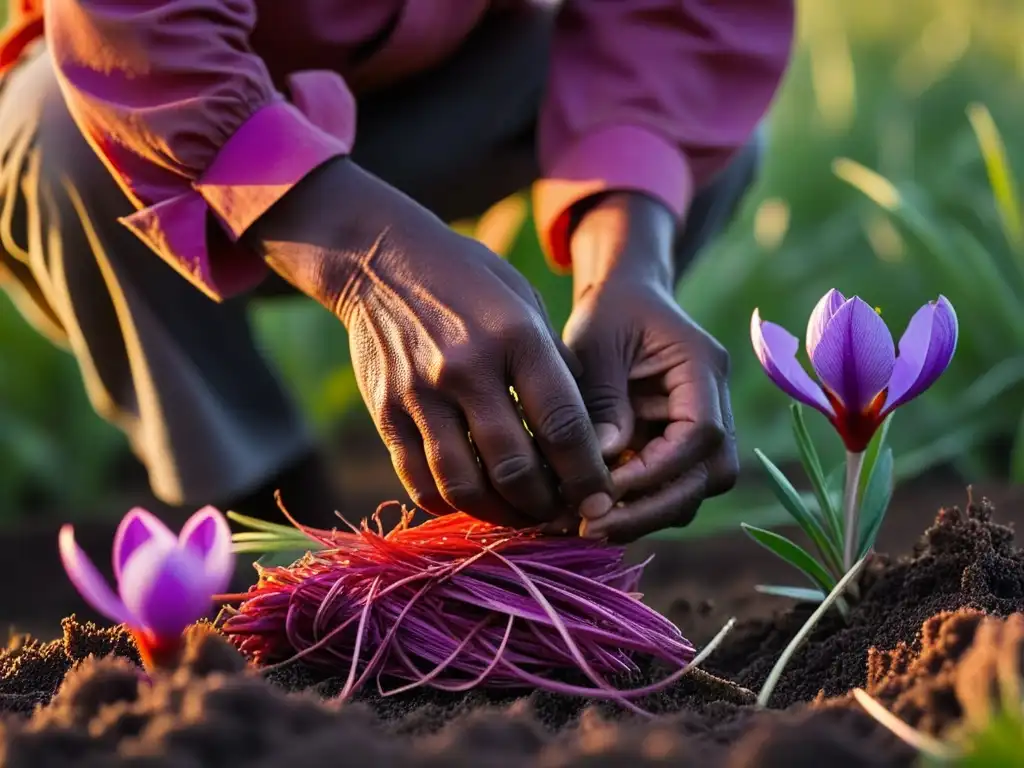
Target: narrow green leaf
{"points": [[780, 666], [793, 554], [260, 547], [793, 593], [1017, 455], [1000, 174], [262, 537], [807, 520], [871, 454], [875, 502], [812, 466], [260, 525], [834, 483]]}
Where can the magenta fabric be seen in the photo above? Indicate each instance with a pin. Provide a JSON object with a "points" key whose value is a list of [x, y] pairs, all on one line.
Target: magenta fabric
{"points": [[179, 99]]}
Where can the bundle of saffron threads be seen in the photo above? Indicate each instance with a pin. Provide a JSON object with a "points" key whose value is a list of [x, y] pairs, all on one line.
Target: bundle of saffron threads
{"points": [[454, 604]]}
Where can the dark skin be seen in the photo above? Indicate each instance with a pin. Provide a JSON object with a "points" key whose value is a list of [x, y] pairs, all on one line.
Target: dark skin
{"points": [[440, 328]]}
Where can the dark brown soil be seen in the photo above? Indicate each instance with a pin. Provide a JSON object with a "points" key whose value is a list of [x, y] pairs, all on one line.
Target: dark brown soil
{"points": [[922, 640]]}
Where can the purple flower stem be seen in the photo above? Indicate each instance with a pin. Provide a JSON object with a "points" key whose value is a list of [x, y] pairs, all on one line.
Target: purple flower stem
{"points": [[851, 508]]}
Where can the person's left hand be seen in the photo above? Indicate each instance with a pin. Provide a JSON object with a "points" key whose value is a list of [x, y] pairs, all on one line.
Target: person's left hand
{"points": [[654, 382]]}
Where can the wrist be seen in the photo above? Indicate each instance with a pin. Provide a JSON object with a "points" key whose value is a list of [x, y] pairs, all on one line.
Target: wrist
{"points": [[322, 234], [622, 236]]}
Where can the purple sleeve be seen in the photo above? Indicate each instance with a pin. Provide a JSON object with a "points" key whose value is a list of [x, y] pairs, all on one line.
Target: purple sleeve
{"points": [[652, 96], [184, 115]]}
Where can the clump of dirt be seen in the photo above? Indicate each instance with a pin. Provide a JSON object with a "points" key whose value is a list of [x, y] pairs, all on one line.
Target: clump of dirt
{"points": [[964, 560], [923, 630]]}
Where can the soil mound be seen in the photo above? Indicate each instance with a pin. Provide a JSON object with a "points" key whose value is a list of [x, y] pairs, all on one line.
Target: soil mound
{"points": [[925, 639]]}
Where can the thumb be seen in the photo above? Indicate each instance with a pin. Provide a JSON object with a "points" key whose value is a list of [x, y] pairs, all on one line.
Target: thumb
{"points": [[604, 384]]}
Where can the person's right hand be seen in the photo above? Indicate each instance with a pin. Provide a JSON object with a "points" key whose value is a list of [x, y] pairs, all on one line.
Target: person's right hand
{"points": [[440, 328]]}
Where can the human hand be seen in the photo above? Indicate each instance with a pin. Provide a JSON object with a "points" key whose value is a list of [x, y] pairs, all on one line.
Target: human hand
{"points": [[440, 328], [654, 382]]}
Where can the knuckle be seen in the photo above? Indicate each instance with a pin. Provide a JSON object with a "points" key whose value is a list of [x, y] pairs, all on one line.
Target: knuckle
{"points": [[710, 434], [457, 369], [563, 425], [602, 397], [512, 470], [462, 494], [523, 331]]}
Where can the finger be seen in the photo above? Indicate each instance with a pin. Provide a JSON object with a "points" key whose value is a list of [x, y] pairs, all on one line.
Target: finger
{"points": [[673, 506], [405, 443], [572, 362], [724, 468], [560, 424], [525, 290], [458, 476], [604, 386], [513, 463], [693, 437]]}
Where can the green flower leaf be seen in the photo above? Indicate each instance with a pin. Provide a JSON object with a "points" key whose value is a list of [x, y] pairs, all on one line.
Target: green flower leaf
{"points": [[807, 520], [802, 594], [871, 454], [877, 495], [812, 466], [780, 666], [793, 554]]}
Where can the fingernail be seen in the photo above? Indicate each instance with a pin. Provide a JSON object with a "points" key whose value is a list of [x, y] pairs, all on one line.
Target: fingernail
{"points": [[596, 506], [589, 531], [607, 434]]}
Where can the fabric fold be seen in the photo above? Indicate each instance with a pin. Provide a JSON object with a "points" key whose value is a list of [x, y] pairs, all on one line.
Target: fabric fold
{"points": [[267, 156], [621, 158]]}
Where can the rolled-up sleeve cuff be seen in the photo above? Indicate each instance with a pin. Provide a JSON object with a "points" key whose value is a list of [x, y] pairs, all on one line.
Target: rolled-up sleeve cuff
{"points": [[267, 156], [615, 158]]}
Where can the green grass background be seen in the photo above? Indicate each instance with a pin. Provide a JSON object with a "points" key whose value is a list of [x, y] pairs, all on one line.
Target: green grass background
{"points": [[886, 84]]}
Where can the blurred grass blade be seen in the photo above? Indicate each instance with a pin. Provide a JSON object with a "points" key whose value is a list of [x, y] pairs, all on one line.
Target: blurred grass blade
{"points": [[780, 666], [807, 520], [812, 466], [793, 554], [977, 275], [920, 741], [793, 593], [1017, 455], [1000, 175], [875, 501], [871, 455]]}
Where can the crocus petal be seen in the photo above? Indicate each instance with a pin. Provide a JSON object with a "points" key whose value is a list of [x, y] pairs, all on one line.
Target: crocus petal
{"points": [[165, 589], [136, 528], [87, 579], [821, 316], [207, 533], [776, 348], [926, 349], [855, 355]]}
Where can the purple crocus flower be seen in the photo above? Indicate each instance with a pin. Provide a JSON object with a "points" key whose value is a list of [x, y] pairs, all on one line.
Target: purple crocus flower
{"points": [[852, 353], [165, 582]]}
